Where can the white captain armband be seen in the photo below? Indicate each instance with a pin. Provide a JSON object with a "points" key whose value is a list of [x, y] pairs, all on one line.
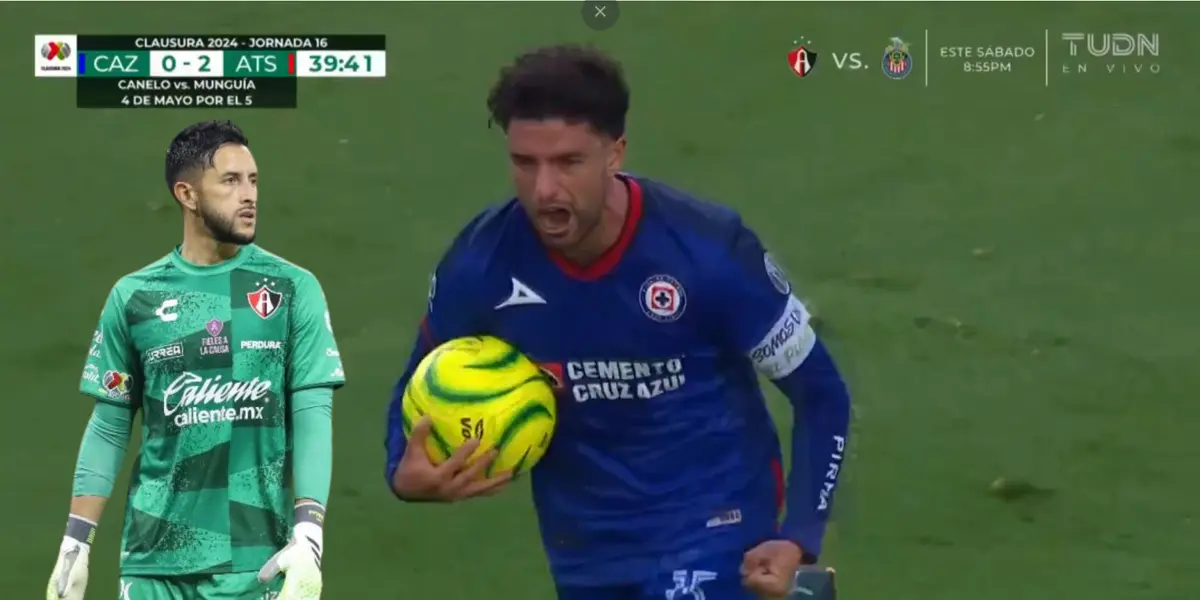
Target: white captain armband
{"points": [[787, 344]]}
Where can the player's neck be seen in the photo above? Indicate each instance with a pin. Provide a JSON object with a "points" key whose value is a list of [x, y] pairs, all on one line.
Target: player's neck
{"points": [[606, 233], [199, 248]]}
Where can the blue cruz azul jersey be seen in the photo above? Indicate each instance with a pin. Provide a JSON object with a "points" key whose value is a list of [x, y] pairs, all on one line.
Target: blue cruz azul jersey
{"points": [[664, 444]]}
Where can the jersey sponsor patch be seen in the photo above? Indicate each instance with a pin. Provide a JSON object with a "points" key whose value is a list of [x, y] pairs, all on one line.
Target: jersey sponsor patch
{"points": [[215, 343], [262, 345], [97, 340], [620, 379], [776, 274], [663, 298], [191, 399], [163, 352], [787, 344], [91, 374]]}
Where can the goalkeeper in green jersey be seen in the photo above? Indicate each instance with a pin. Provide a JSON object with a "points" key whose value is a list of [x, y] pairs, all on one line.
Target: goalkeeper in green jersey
{"points": [[228, 352]]}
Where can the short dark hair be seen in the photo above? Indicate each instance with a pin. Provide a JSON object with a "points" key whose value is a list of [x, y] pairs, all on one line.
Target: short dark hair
{"points": [[577, 84], [194, 147]]}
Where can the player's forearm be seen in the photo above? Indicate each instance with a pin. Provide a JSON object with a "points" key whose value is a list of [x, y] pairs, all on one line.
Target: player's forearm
{"points": [[312, 434], [821, 419], [101, 453], [88, 507]]}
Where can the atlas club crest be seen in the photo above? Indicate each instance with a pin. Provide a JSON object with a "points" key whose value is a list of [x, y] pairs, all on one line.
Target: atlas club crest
{"points": [[802, 60], [264, 301]]}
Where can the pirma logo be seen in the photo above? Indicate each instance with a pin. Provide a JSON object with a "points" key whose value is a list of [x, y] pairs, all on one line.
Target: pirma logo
{"points": [[802, 59], [91, 374], [54, 55]]}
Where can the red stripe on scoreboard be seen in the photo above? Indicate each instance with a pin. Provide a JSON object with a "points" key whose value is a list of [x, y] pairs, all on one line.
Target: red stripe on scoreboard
{"points": [[291, 63]]}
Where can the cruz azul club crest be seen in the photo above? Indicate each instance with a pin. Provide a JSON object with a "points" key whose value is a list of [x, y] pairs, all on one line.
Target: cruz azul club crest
{"points": [[663, 298], [265, 301]]}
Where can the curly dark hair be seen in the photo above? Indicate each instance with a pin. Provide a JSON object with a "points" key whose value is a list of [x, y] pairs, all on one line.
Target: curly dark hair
{"points": [[194, 147], [578, 84]]}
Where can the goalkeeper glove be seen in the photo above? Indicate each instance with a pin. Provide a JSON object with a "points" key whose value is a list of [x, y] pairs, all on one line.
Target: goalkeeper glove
{"points": [[300, 559], [70, 575]]}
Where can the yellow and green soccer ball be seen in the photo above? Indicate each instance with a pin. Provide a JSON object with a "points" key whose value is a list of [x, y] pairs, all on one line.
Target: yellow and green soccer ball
{"points": [[482, 388]]}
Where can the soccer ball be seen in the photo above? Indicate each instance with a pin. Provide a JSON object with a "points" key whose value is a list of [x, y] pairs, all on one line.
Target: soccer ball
{"points": [[482, 388]]}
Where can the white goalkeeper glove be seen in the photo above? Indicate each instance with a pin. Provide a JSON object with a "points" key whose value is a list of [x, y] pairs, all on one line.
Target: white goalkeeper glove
{"points": [[300, 560], [69, 579]]}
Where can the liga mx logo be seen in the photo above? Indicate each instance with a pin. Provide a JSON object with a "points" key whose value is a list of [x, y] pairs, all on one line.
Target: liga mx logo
{"points": [[55, 55], [56, 51], [897, 62]]}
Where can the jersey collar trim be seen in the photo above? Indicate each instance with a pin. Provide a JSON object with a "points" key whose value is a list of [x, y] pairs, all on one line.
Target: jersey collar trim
{"points": [[222, 267], [611, 257]]}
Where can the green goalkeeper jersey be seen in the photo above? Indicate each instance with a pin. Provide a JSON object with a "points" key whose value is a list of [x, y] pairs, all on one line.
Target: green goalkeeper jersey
{"points": [[210, 355]]}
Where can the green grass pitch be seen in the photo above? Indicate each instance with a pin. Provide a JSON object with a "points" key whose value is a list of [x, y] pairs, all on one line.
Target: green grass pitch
{"points": [[1007, 270]]}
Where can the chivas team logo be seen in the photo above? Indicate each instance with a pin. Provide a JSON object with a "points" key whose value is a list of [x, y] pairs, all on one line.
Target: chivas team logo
{"points": [[802, 60], [265, 301], [897, 61]]}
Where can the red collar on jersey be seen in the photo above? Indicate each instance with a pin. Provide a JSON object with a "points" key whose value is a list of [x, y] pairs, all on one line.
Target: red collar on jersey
{"points": [[609, 259]]}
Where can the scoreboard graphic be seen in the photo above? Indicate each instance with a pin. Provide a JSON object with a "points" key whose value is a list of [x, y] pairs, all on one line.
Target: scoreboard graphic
{"points": [[186, 71]]}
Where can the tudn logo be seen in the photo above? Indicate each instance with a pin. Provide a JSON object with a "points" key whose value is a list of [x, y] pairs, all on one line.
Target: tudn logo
{"points": [[56, 50]]}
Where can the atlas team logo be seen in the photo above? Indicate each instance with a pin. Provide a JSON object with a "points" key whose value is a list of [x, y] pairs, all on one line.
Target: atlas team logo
{"points": [[897, 62], [264, 301], [802, 60]]}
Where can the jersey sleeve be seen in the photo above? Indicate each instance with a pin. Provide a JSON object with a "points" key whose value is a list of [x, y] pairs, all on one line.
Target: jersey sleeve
{"points": [[451, 312], [451, 309], [759, 314], [772, 327], [111, 372], [313, 356]]}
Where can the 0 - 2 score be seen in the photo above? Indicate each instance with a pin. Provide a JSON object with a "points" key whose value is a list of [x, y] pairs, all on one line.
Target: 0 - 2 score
{"points": [[187, 63], [169, 63]]}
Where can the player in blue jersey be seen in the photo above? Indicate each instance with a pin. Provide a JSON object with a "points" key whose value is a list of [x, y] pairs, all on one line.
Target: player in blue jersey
{"points": [[655, 313]]}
